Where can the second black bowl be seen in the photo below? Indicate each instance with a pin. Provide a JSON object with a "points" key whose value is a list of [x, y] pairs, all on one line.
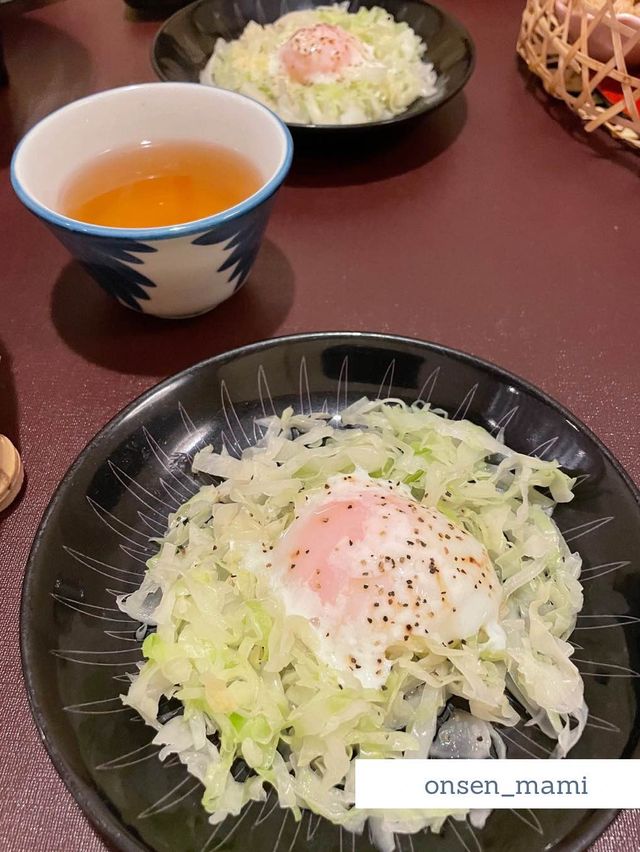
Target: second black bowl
{"points": [[185, 42]]}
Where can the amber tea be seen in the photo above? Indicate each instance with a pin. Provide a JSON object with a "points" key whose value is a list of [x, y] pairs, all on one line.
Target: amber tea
{"points": [[159, 184]]}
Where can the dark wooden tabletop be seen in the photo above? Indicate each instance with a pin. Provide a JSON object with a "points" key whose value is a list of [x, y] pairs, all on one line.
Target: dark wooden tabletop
{"points": [[496, 226]]}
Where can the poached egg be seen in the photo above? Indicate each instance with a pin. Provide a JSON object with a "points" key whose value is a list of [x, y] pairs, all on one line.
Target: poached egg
{"points": [[322, 53], [370, 567]]}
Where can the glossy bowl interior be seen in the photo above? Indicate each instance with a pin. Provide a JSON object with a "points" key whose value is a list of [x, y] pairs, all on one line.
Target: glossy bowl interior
{"points": [[95, 537], [185, 42]]}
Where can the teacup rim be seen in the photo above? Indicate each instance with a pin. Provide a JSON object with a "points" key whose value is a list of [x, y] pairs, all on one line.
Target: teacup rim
{"points": [[164, 232]]}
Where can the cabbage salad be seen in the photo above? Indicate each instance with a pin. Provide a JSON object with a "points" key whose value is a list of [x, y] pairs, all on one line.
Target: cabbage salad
{"points": [[326, 65], [252, 677]]}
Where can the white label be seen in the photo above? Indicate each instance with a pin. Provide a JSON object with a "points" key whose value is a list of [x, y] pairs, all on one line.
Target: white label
{"points": [[450, 784]]}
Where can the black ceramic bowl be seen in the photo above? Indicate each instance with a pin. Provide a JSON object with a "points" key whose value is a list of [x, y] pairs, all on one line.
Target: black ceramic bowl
{"points": [[18, 7], [185, 42], [77, 646]]}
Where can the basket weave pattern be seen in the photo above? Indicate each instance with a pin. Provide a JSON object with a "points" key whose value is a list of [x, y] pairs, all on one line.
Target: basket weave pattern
{"points": [[558, 47]]}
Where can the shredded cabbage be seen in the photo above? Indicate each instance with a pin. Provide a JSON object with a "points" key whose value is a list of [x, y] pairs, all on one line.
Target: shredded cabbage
{"points": [[250, 684], [383, 86]]}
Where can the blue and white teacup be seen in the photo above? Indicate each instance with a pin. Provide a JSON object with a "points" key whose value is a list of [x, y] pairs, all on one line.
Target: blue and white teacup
{"points": [[173, 271]]}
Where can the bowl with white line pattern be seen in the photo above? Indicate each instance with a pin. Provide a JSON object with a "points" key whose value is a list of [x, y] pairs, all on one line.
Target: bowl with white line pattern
{"points": [[79, 647]]}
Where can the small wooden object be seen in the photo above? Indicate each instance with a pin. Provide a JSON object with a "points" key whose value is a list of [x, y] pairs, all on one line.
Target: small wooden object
{"points": [[562, 43], [11, 472]]}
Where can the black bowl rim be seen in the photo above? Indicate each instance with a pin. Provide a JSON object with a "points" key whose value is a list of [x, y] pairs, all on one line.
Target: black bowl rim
{"points": [[94, 807], [426, 105]]}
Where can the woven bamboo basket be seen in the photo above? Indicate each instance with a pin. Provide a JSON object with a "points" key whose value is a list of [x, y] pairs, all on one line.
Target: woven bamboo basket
{"points": [[588, 58]]}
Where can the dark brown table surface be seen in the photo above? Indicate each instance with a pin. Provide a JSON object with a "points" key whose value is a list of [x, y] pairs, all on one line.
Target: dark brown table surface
{"points": [[496, 227]]}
